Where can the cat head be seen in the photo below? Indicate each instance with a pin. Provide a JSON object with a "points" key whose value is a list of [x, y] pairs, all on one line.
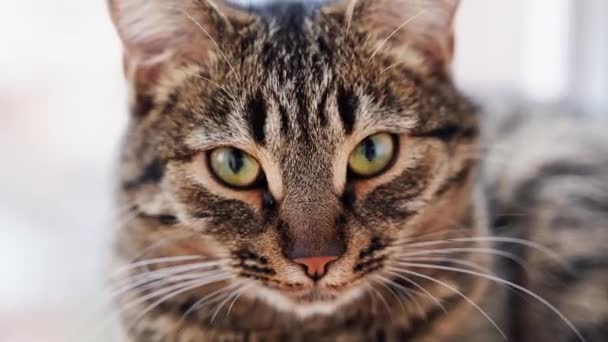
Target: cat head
{"points": [[299, 146]]}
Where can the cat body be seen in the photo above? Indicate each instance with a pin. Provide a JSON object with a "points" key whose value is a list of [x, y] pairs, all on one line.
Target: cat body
{"points": [[302, 172]]}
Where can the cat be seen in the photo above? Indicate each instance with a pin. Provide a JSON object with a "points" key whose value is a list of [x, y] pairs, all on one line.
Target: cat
{"points": [[310, 172]]}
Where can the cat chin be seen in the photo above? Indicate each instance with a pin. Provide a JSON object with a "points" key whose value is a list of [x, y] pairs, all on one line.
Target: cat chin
{"points": [[302, 309]]}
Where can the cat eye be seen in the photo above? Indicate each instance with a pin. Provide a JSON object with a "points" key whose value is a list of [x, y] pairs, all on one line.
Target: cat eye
{"points": [[234, 167], [373, 155]]}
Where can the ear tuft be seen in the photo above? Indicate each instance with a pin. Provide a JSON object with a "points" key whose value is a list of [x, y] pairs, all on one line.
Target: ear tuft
{"points": [[158, 33], [416, 29]]}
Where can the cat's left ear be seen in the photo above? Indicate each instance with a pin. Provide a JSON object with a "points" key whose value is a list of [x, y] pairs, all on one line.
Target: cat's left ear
{"points": [[416, 31], [158, 35]]}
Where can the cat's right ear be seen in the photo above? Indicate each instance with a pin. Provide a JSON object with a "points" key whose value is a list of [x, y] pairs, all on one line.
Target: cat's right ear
{"points": [[160, 34], [417, 32]]}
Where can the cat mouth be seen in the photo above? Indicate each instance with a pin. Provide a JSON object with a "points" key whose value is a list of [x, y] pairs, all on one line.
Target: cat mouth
{"points": [[313, 294], [309, 299]]}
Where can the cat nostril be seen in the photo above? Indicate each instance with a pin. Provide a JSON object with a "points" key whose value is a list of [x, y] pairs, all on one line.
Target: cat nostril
{"points": [[316, 266]]}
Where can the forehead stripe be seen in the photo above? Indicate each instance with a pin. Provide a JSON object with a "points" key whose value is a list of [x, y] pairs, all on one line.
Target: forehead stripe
{"points": [[284, 120], [321, 112], [256, 116], [347, 107]]}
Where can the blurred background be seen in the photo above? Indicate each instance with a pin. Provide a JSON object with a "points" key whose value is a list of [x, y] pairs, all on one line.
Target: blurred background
{"points": [[63, 109]]}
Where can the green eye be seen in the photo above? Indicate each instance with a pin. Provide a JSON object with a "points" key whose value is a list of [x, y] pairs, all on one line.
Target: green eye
{"points": [[372, 155], [234, 167]]}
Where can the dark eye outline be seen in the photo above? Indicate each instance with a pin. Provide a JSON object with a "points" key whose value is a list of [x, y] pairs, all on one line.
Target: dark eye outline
{"points": [[258, 184], [352, 175]]}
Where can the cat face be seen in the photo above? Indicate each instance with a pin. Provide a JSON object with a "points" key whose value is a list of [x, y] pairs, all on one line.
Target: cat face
{"points": [[298, 147]]}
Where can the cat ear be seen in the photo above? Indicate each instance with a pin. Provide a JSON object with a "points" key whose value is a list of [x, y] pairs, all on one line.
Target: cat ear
{"points": [[421, 30], [156, 33]]}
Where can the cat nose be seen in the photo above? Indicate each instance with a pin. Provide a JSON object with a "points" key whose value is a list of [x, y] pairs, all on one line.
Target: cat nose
{"points": [[315, 255], [316, 267]]}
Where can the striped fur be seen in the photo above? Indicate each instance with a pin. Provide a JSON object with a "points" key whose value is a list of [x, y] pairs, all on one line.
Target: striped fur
{"points": [[422, 247], [547, 179]]}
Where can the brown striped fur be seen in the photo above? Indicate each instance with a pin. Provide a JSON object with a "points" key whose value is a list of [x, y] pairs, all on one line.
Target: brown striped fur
{"points": [[298, 87]]}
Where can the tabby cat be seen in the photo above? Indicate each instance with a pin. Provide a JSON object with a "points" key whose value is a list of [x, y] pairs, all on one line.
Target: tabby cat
{"points": [[309, 172]]}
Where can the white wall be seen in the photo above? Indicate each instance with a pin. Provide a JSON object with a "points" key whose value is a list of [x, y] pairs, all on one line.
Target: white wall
{"points": [[588, 86]]}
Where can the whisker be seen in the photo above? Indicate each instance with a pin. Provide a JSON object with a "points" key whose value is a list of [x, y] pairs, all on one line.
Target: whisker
{"points": [[141, 299], [393, 65], [241, 292], [131, 266], [382, 283], [194, 74], [491, 251], [171, 270], [213, 41], [516, 241], [171, 293], [350, 12], [238, 287], [458, 292], [206, 300], [171, 239], [469, 264], [145, 281], [410, 294], [420, 287], [147, 284], [138, 300], [507, 283], [427, 243], [379, 295], [425, 237], [501, 239], [395, 32]]}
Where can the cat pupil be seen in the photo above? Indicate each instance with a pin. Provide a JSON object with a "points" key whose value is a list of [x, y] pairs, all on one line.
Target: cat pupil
{"points": [[369, 149], [235, 162]]}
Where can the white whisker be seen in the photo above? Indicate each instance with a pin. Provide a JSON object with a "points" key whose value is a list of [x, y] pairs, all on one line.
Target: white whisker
{"points": [[228, 297], [469, 264], [393, 65], [213, 41], [241, 292], [517, 241], [172, 292], [141, 299], [146, 284], [131, 266], [381, 298], [491, 251], [172, 270], [350, 12], [208, 80], [395, 32], [206, 300], [458, 292], [510, 284], [420, 287], [409, 293], [510, 240], [382, 283]]}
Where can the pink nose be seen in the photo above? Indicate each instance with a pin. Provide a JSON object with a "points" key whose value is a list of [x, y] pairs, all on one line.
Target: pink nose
{"points": [[315, 266]]}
